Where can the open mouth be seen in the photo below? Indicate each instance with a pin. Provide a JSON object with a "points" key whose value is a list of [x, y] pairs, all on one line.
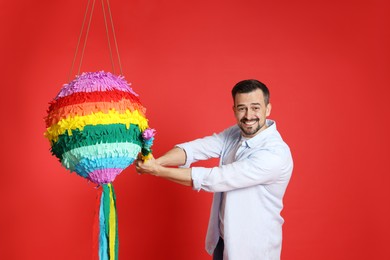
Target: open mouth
{"points": [[250, 122]]}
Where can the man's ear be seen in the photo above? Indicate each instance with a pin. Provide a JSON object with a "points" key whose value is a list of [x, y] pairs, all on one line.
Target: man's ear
{"points": [[268, 109]]}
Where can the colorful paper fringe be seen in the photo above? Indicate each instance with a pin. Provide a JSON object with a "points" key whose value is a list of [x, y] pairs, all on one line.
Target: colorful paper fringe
{"points": [[106, 225], [97, 127]]}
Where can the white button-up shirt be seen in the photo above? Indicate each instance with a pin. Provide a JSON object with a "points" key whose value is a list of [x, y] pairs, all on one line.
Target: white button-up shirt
{"points": [[253, 185]]}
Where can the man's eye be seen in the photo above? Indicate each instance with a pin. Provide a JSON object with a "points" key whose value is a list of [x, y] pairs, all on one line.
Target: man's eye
{"points": [[241, 109], [256, 108]]}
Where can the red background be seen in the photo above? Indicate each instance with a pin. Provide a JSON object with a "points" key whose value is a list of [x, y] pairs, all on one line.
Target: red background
{"points": [[326, 63]]}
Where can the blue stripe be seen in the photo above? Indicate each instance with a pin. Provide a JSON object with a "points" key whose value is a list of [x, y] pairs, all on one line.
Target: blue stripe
{"points": [[86, 165], [103, 243]]}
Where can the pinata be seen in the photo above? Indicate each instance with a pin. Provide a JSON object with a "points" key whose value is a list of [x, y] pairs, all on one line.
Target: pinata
{"points": [[97, 127]]}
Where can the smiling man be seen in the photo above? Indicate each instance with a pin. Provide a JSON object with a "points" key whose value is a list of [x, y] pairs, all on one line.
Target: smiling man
{"points": [[251, 108], [249, 183]]}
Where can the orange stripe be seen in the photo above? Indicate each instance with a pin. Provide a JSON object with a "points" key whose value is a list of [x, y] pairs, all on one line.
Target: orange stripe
{"points": [[88, 108]]}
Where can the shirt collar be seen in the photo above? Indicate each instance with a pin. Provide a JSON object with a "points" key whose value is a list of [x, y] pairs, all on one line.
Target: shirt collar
{"points": [[252, 142]]}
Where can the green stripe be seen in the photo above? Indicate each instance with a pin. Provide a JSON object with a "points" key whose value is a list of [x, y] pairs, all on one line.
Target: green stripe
{"points": [[93, 134], [106, 210]]}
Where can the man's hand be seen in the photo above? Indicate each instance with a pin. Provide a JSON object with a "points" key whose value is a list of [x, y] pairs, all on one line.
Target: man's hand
{"points": [[149, 166], [153, 167]]}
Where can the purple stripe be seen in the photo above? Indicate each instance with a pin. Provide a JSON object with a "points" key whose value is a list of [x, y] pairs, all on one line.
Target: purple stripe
{"points": [[95, 81], [103, 176]]}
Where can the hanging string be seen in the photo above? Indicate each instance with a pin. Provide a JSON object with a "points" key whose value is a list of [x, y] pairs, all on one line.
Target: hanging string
{"points": [[108, 37], [86, 37], [115, 41], [79, 40]]}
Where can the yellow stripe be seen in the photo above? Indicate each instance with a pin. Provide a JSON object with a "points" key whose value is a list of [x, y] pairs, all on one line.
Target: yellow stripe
{"points": [[99, 118], [112, 223]]}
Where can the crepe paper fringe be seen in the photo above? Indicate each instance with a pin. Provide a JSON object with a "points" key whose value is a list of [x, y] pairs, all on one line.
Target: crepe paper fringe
{"points": [[92, 102], [98, 134], [91, 97], [86, 166], [99, 151], [104, 176], [96, 225], [87, 159], [107, 229], [99, 118], [96, 81], [97, 126], [148, 136], [90, 108]]}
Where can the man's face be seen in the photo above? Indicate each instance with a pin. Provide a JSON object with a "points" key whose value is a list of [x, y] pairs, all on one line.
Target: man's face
{"points": [[251, 112]]}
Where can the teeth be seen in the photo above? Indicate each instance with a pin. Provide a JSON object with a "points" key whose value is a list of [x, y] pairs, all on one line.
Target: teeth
{"points": [[250, 122]]}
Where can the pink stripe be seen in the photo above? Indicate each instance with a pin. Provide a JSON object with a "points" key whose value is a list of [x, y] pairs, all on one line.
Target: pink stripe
{"points": [[103, 176]]}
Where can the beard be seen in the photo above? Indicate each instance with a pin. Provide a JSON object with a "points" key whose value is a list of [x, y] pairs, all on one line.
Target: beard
{"points": [[250, 131]]}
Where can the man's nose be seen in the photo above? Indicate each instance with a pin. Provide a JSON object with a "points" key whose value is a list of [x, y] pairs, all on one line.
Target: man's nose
{"points": [[249, 113]]}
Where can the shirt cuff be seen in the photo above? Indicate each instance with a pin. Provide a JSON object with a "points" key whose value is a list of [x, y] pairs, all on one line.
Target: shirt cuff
{"points": [[189, 155], [198, 174]]}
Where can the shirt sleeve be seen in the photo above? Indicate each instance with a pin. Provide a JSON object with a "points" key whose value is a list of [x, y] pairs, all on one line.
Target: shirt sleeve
{"points": [[203, 148], [261, 167]]}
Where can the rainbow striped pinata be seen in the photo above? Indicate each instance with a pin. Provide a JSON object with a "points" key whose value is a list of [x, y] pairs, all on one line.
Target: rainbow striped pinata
{"points": [[97, 127]]}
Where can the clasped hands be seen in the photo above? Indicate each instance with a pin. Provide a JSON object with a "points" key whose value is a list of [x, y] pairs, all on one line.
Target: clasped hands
{"points": [[158, 167], [150, 166]]}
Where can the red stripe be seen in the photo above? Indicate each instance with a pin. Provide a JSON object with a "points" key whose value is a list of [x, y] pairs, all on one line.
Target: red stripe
{"points": [[97, 96]]}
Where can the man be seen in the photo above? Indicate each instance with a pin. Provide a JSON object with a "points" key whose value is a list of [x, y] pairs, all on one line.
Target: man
{"points": [[249, 184]]}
